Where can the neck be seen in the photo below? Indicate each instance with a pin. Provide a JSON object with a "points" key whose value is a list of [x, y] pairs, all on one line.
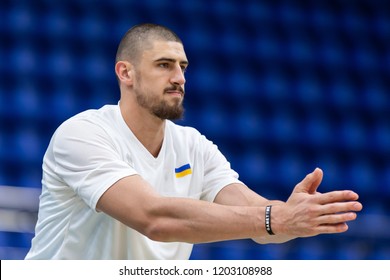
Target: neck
{"points": [[148, 129]]}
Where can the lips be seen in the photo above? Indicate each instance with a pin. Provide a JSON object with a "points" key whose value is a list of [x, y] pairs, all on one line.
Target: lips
{"points": [[175, 91]]}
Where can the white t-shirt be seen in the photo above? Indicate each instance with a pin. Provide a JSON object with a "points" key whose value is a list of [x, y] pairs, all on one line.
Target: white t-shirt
{"points": [[89, 153]]}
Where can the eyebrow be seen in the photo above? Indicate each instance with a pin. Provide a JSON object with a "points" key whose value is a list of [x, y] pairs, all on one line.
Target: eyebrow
{"points": [[185, 62]]}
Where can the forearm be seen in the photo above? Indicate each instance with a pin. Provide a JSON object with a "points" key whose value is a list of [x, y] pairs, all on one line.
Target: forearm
{"points": [[199, 222], [193, 221], [134, 203]]}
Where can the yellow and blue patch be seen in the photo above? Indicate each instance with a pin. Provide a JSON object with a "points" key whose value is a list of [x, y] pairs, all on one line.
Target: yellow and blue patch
{"points": [[183, 170]]}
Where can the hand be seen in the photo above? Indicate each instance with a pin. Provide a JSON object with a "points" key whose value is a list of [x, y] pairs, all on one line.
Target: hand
{"points": [[309, 213]]}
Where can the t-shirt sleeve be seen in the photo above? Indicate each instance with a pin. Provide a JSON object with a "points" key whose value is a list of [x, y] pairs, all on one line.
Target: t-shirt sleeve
{"points": [[217, 170], [86, 159]]}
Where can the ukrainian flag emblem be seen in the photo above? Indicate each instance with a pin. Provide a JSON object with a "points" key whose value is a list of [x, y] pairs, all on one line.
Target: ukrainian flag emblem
{"points": [[183, 170]]}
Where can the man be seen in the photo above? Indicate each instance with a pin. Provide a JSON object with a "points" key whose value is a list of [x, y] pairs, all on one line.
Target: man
{"points": [[125, 182]]}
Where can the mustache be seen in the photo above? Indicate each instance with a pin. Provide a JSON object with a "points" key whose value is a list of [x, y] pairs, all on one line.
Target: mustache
{"points": [[175, 88]]}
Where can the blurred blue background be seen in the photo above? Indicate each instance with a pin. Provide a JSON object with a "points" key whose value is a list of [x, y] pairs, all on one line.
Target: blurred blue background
{"points": [[280, 86]]}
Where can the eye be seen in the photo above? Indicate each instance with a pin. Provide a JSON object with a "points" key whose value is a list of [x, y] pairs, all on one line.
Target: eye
{"points": [[163, 65], [184, 69]]}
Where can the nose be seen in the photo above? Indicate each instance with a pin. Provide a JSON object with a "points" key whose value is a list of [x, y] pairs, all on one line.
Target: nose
{"points": [[178, 76]]}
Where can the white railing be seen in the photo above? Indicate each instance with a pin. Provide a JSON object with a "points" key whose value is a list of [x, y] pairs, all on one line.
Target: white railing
{"points": [[18, 208]]}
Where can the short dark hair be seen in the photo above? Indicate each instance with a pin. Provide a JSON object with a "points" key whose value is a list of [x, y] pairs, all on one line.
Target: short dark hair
{"points": [[140, 37]]}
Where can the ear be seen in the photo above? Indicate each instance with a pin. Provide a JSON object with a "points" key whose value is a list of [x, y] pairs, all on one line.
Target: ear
{"points": [[124, 72]]}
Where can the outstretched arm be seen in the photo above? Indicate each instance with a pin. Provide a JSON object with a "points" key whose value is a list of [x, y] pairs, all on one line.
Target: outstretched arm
{"points": [[133, 202]]}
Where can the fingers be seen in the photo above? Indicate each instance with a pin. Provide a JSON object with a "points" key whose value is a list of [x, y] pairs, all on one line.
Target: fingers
{"points": [[334, 228], [334, 219], [332, 223], [310, 183], [337, 212], [336, 196], [310, 215], [341, 207], [311, 212]]}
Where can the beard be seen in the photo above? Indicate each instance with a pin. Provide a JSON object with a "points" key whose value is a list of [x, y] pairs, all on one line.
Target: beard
{"points": [[160, 107]]}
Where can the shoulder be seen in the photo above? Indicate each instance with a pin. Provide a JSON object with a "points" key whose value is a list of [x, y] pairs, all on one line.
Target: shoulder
{"points": [[82, 136], [90, 118], [95, 115], [87, 125]]}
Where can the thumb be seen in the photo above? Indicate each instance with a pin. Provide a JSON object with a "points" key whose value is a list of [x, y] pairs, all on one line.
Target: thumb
{"points": [[310, 183]]}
